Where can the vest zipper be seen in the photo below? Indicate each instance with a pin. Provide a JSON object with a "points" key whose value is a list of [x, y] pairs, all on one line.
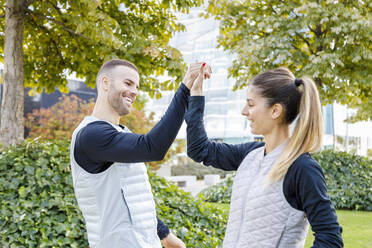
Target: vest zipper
{"points": [[126, 204], [244, 204]]}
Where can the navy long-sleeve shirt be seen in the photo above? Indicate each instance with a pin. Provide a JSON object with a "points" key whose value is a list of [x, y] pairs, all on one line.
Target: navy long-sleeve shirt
{"points": [[304, 184], [98, 145]]}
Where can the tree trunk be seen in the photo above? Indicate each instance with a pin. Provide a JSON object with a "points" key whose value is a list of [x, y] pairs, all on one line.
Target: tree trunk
{"points": [[12, 105]]}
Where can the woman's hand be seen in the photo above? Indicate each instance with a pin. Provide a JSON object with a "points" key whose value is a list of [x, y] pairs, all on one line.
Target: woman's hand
{"points": [[194, 71], [197, 87]]}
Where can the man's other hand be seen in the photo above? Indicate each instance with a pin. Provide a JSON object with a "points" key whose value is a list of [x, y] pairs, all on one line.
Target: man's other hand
{"points": [[171, 241]]}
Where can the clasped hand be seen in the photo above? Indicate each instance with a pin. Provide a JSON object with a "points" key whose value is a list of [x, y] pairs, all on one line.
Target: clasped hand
{"points": [[195, 75]]}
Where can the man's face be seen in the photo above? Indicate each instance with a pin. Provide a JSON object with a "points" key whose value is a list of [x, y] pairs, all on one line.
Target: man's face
{"points": [[123, 89]]}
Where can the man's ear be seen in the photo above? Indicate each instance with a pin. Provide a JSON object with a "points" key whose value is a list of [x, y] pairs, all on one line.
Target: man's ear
{"points": [[277, 110], [104, 82]]}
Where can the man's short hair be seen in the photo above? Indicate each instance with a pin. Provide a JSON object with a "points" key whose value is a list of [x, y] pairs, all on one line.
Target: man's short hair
{"points": [[108, 65]]}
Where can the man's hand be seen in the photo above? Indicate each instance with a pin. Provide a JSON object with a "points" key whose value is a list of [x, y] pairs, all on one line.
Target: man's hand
{"points": [[193, 72], [171, 241]]}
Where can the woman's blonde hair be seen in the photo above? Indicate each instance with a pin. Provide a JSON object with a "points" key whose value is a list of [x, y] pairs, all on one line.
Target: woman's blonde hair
{"points": [[300, 98]]}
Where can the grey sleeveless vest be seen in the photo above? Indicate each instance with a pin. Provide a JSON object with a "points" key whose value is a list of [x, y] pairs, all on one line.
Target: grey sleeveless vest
{"points": [[260, 216], [117, 204]]}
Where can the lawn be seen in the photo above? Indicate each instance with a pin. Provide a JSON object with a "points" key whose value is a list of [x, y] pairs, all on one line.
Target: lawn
{"points": [[357, 227]]}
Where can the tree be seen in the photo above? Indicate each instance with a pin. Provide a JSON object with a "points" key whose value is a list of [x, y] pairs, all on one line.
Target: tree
{"points": [[44, 41], [60, 120], [327, 40]]}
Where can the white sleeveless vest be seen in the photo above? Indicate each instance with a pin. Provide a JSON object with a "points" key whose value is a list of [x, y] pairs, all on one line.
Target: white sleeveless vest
{"points": [[117, 204], [260, 216]]}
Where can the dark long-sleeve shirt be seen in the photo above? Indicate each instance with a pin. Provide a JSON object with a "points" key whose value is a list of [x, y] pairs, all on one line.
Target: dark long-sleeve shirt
{"points": [[98, 145], [304, 184]]}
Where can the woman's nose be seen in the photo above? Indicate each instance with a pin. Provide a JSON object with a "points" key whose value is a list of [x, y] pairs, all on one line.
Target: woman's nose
{"points": [[245, 111]]}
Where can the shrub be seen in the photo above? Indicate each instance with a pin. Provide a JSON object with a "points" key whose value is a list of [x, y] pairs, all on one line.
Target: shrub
{"points": [[39, 209], [348, 178], [196, 169], [221, 192], [59, 120]]}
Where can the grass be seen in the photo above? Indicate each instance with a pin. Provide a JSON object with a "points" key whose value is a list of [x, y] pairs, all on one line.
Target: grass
{"points": [[357, 227]]}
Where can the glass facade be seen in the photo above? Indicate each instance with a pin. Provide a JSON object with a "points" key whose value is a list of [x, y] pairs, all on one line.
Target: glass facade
{"points": [[223, 119]]}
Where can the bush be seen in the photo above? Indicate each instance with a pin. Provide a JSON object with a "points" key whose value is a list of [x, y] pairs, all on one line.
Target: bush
{"points": [[38, 206], [197, 224], [59, 120], [221, 192], [196, 169], [348, 178], [39, 209]]}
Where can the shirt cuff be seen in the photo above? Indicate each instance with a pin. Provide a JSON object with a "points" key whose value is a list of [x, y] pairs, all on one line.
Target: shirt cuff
{"points": [[163, 230], [184, 89]]}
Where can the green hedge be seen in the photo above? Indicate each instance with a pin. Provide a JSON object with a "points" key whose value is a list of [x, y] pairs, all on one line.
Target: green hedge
{"points": [[220, 192], [196, 169], [38, 206], [348, 178]]}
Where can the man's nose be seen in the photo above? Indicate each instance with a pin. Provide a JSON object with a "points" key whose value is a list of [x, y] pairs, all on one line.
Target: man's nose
{"points": [[134, 92]]}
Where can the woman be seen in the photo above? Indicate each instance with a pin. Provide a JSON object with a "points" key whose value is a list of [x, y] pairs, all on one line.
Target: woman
{"points": [[278, 188]]}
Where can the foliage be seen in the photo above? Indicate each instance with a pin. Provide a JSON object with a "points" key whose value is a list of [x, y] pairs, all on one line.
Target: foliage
{"points": [[328, 40], [59, 120], [39, 209], [38, 206], [221, 192], [196, 223], [78, 36], [348, 179], [189, 167]]}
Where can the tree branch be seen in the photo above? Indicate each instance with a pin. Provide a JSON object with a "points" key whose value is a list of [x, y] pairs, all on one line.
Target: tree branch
{"points": [[58, 23], [28, 3], [306, 41], [55, 7], [53, 41], [271, 6], [295, 47]]}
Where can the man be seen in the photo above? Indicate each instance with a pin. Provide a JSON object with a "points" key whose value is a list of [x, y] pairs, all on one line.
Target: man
{"points": [[110, 180]]}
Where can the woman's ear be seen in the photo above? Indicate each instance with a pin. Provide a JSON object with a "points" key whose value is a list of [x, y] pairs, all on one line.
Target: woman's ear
{"points": [[277, 111]]}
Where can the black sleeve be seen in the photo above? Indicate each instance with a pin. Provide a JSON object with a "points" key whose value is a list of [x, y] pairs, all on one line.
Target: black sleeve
{"points": [[163, 230], [201, 149], [305, 189], [101, 143]]}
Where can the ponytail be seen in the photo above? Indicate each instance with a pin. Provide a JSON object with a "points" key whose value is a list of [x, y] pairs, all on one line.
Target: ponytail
{"points": [[308, 132]]}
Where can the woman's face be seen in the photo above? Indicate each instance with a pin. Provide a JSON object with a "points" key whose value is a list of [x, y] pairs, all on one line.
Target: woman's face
{"points": [[260, 116]]}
